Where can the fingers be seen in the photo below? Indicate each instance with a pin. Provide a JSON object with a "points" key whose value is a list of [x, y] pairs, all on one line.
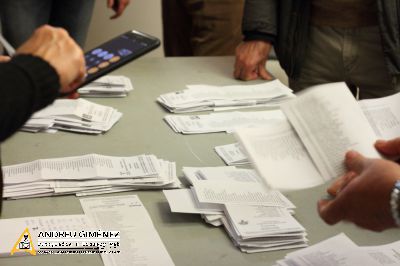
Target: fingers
{"points": [[263, 73], [110, 3], [341, 183], [330, 211], [390, 148], [120, 8], [355, 161]]}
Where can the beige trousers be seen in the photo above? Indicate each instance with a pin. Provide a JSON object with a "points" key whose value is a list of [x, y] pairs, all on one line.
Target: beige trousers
{"points": [[351, 55]]}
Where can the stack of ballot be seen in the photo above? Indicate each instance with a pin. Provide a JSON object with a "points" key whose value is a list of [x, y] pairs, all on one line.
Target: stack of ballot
{"points": [[107, 87], [218, 98], [341, 251], [222, 122], [88, 175], [257, 219], [79, 116], [232, 154]]}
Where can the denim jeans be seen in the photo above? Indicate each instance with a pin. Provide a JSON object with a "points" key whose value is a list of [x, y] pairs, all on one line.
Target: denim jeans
{"points": [[19, 18]]}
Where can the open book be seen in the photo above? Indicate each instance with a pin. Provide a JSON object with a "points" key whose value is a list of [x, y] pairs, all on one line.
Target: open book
{"points": [[325, 122]]}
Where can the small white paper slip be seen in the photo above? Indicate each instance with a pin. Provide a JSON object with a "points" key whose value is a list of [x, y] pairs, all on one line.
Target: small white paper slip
{"points": [[219, 192], [232, 154], [182, 201], [261, 221], [140, 242]]}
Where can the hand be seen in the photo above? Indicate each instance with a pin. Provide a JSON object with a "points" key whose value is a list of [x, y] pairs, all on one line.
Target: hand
{"points": [[4, 58], [251, 57], [56, 47], [364, 197], [118, 6], [389, 148]]}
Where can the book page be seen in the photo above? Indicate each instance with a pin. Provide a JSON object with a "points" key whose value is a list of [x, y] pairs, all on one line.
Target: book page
{"points": [[383, 115], [272, 150], [330, 122]]}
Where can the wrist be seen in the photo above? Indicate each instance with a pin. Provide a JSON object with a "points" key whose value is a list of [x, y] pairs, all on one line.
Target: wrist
{"points": [[395, 203]]}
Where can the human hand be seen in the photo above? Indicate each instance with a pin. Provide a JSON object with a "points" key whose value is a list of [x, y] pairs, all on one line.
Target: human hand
{"points": [[363, 197], [4, 58], [118, 6], [389, 148], [251, 57], [55, 46]]}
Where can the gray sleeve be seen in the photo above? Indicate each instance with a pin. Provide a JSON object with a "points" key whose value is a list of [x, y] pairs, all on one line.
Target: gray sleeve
{"points": [[260, 16]]}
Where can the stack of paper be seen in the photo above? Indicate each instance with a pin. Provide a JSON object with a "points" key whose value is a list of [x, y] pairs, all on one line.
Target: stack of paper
{"points": [[107, 87], [140, 242], [88, 175], [218, 98], [257, 219], [78, 115], [222, 122], [341, 251], [232, 154], [324, 122]]}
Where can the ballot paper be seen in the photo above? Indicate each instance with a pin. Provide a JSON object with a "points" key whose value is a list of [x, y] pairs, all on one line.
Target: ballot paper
{"points": [[107, 87], [12, 229], [232, 154], [80, 116], [233, 197], [217, 98], [222, 122], [140, 242], [272, 149], [341, 251], [89, 174], [325, 122]]}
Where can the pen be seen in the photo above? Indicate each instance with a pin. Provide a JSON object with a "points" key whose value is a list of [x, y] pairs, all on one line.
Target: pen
{"points": [[7, 46]]}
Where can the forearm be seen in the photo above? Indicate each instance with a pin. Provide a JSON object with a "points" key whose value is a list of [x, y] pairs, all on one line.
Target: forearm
{"points": [[27, 84], [260, 20]]}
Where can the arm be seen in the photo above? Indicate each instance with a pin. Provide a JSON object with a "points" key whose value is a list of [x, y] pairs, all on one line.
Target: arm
{"points": [[260, 30], [363, 195], [49, 62]]}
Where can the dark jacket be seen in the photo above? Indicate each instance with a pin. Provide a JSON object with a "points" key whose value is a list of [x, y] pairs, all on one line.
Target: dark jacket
{"points": [[285, 23], [27, 84]]}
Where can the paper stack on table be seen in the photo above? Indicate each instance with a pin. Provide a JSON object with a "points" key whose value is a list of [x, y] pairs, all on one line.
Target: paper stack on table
{"points": [[222, 122], [107, 87], [341, 251], [79, 116], [218, 98], [232, 154], [88, 175], [257, 219]]}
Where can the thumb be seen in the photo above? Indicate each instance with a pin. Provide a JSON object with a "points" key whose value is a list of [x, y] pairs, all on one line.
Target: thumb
{"points": [[355, 161], [390, 148]]}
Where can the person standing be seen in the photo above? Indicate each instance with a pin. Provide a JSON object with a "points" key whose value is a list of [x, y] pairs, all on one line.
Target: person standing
{"points": [[19, 19]]}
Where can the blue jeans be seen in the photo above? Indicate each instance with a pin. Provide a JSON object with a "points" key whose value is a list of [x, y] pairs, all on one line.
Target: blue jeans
{"points": [[19, 18]]}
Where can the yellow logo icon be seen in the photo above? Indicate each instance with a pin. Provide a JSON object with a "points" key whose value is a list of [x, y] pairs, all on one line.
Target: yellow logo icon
{"points": [[24, 244]]}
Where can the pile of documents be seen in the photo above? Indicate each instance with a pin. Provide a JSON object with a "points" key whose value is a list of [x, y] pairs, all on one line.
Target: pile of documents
{"points": [[80, 116], [324, 122], [107, 87], [88, 175], [341, 251], [232, 154], [219, 98], [222, 122], [257, 219]]}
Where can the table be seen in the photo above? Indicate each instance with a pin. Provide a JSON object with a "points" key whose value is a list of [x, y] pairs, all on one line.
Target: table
{"points": [[188, 239]]}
